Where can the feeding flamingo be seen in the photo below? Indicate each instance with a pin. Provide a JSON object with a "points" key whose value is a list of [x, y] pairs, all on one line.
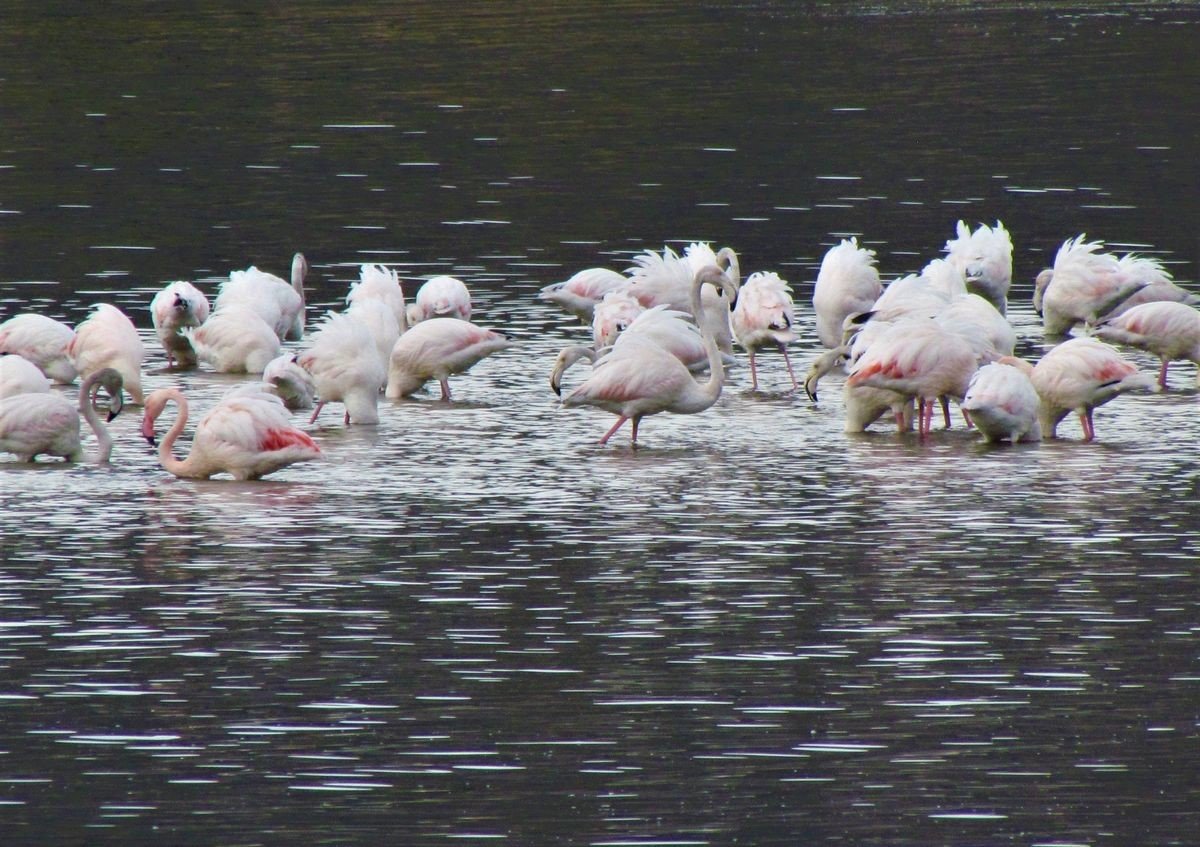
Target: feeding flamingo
{"points": [[235, 339], [48, 423], [18, 375], [984, 258], [41, 340], [847, 284], [377, 282], [1003, 403], [345, 366], [1168, 329], [284, 378], [108, 339], [276, 301], [436, 349], [245, 435], [580, 294]]}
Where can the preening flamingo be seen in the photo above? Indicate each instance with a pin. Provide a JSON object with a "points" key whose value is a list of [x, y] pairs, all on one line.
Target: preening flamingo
{"points": [[108, 339], [41, 340], [178, 307], [666, 280], [377, 282], [245, 435], [435, 349], [763, 316], [1079, 375], [847, 284], [613, 315], [345, 366], [235, 339], [1003, 404], [640, 378], [984, 258], [441, 297], [284, 378], [1168, 329], [48, 423], [278, 303], [18, 375], [580, 294]]}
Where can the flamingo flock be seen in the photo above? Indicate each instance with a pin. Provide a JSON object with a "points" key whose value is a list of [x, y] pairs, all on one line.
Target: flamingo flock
{"points": [[663, 333]]}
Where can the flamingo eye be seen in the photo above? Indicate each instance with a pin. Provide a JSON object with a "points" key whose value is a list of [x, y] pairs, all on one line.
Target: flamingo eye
{"points": [[622, 326]]}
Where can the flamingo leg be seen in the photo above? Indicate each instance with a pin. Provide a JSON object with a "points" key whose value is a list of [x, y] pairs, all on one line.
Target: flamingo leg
{"points": [[636, 421], [1089, 429], [945, 409], [620, 420], [753, 373], [317, 411], [445, 383], [346, 418], [967, 417], [787, 361], [1162, 375]]}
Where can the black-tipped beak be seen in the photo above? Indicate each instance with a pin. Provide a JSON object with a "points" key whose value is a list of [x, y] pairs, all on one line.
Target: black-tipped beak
{"points": [[151, 440], [112, 416]]}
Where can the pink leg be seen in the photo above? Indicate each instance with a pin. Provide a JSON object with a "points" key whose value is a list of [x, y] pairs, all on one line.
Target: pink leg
{"points": [[787, 361], [346, 418], [445, 388], [317, 411], [967, 417], [1089, 429], [1162, 375], [926, 412], [753, 373], [615, 427]]}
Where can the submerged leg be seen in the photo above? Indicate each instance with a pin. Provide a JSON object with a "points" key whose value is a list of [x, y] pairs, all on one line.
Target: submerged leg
{"points": [[1162, 375], [787, 361], [753, 373], [636, 421], [620, 420], [445, 383], [317, 411]]}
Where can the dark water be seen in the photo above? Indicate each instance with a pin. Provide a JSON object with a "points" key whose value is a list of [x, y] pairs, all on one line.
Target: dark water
{"points": [[474, 626]]}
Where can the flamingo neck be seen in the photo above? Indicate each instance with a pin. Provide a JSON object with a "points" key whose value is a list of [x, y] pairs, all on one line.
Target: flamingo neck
{"points": [[165, 457], [87, 407], [709, 390]]}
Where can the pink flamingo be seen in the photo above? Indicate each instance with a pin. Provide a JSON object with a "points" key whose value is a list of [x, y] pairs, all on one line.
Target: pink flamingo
{"points": [[108, 339], [1168, 329], [640, 378], [580, 294], [247, 436], [441, 297], [918, 359], [847, 284], [764, 315], [435, 349], [18, 375], [1003, 403], [41, 340], [177, 307], [1079, 375], [48, 423], [235, 339]]}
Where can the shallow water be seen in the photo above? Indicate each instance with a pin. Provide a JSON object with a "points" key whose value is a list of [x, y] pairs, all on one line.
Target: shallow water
{"points": [[472, 624]]}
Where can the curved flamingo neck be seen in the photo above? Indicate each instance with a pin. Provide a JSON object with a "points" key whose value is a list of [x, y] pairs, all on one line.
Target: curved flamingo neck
{"points": [[87, 407], [165, 456], [709, 390]]}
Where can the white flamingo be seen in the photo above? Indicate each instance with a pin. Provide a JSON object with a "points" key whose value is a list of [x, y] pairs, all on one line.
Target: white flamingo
{"points": [[235, 339], [984, 258], [178, 307], [377, 282], [580, 294], [763, 316], [436, 349], [41, 340], [1003, 404], [284, 378], [1168, 329], [441, 297], [48, 423], [345, 366], [108, 339], [18, 375], [847, 284], [1085, 284], [245, 435], [276, 301]]}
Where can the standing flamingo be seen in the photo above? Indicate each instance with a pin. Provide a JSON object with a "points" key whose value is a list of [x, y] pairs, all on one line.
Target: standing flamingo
{"points": [[345, 366], [984, 258], [18, 375], [1003, 403], [377, 282], [436, 349], [613, 315], [177, 307], [441, 297], [46, 423], [41, 340], [580, 294], [1079, 375], [108, 339], [764, 315], [847, 284], [1165, 328], [247, 436], [279, 304], [919, 359], [640, 378]]}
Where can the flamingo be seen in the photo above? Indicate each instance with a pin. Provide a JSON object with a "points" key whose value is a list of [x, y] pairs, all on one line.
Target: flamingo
{"points": [[377, 282], [435, 349], [1003, 403], [918, 359], [279, 304], [18, 375], [579, 294], [245, 435], [1162, 290], [345, 366], [1077, 376], [847, 284], [1086, 284], [1168, 329], [284, 378], [613, 315], [108, 339], [984, 258], [640, 378], [764, 314], [864, 404], [675, 333], [441, 297], [235, 339], [667, 280], [380, 321], [178, 306], [41, 340], [48, 423], [566, 358]]}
